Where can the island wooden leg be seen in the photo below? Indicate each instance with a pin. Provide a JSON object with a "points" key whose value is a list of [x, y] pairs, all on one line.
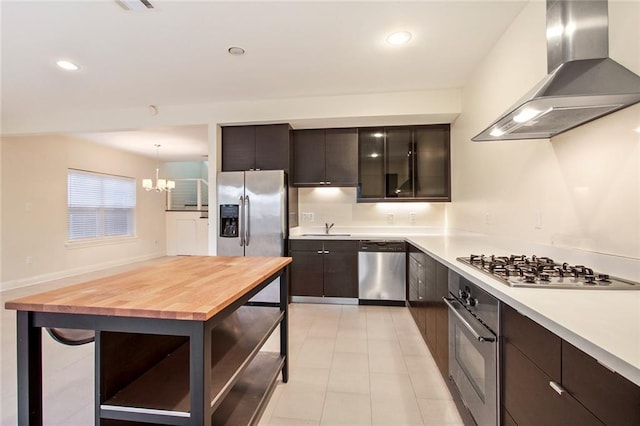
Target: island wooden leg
{"points": [[29, 371], [200, 373]]}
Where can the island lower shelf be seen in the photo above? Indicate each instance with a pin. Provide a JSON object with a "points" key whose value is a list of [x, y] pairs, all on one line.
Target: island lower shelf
{"points": [[242, 376]]}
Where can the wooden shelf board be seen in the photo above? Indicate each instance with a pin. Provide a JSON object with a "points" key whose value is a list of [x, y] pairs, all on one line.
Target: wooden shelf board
{"points": [[251, 393], [164, 388]]}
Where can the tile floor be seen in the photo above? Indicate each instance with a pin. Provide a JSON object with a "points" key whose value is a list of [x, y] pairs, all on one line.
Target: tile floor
{"points": [[350, 365], [359, 365]]}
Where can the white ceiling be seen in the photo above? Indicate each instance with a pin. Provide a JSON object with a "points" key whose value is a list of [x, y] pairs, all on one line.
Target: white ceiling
{"points": [[179, 143], [176, 54]]}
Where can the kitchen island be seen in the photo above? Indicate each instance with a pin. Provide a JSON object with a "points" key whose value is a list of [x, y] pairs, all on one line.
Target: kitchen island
{"points": [[176, 343]]}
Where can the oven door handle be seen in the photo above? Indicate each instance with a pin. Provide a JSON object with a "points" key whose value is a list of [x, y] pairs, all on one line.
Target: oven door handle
{"points": [[459, 312]]}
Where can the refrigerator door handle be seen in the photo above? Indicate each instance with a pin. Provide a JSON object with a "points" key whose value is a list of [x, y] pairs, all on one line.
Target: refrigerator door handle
{"points": [[247, 214], [241, 224]]}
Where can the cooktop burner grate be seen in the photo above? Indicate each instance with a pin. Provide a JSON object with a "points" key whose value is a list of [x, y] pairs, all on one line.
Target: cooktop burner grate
{"points": [[544, 272]]}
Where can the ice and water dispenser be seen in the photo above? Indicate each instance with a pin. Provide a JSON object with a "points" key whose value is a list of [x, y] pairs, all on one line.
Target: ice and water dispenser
{"points": [[229, 216]]}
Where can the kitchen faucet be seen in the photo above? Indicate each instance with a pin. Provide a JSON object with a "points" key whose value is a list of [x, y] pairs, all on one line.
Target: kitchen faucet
{"points": [[327, 228]]}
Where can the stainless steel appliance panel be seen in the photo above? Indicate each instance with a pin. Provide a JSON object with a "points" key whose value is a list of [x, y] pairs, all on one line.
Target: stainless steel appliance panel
{"points": [[544, 272], [473, 368], [262, 225], [381, 273], [230, 191], [265, 207], [473, 348]]}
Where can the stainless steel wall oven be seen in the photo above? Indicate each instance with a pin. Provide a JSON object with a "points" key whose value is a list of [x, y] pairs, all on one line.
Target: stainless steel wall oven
{"points": [[473, 348]]}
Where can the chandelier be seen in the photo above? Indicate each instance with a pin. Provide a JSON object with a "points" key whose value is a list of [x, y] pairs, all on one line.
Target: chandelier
{"points": [[161, 184]]}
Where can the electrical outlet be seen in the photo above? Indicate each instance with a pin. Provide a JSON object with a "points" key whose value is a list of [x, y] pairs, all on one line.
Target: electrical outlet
{"points": [[307, 217], [412, 218], [390, 218], [538, 220], [28, 260]]}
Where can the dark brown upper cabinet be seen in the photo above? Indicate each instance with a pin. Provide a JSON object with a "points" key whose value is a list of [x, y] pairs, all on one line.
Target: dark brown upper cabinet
{"points": [[325, 157], [404, 163], [371, 179], [266, 147]]}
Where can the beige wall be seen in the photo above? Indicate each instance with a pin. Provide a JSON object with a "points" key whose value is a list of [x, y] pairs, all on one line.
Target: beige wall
{"points": [[34, 208], [583, 184], [1, 210]]}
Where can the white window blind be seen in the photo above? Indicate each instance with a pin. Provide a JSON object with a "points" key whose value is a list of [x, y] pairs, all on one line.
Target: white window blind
{"points": [[100, 205]]}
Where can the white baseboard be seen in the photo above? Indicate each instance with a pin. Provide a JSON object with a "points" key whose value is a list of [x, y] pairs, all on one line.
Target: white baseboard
{"points": [[37, 279]]}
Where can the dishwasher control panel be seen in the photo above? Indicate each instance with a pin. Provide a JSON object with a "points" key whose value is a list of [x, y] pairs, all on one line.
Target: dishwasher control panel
{"points": [[382, 246]]}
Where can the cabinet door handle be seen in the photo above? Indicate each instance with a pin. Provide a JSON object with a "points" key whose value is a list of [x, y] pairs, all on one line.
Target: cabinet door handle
{"points": [[319, 252], [327, 183], [478, 331], [326, 251], [556, 387]]}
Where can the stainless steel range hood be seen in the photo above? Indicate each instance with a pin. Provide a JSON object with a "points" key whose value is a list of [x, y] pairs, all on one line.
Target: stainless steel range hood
{"points": [[583, 82]]}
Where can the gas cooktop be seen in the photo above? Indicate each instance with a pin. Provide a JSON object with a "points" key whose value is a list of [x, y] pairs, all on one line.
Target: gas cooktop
{"points": [[544, 272]]}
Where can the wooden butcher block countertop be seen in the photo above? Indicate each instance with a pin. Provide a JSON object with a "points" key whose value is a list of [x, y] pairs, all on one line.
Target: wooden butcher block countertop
{"points": [[188, 288]]}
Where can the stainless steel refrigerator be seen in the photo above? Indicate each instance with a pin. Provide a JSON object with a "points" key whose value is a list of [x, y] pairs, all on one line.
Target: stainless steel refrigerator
{"points": [[252, 217]]}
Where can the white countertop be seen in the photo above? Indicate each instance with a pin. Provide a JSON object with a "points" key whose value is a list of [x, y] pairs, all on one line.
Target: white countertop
{"points": [[603, 323]]}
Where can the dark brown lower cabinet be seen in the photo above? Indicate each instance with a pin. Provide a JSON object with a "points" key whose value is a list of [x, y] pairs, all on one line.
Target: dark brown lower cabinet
{"points": [[427, 285], [307, 273], [611, 397], [531, 400], [341, 269], [324, 268], [507, 420], [548, 381]]}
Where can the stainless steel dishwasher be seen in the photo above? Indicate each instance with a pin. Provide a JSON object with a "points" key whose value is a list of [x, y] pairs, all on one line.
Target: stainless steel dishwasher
{"points": [[382, 272]]}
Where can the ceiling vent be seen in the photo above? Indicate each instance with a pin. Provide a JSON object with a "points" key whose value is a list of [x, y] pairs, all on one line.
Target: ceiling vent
{"points": [[134, 4]]}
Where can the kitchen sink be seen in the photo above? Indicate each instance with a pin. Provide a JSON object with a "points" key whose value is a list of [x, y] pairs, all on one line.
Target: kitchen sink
{"points": [[325, 235]]}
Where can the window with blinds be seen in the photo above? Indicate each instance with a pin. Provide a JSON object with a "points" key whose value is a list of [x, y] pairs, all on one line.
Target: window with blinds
{"points": [[100, 205]]}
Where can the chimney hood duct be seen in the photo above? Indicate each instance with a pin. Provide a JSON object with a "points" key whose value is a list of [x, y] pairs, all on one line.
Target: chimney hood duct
{"points": [[583, 82]]}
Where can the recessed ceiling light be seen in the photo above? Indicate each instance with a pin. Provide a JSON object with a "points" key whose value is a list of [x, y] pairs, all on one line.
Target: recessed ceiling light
{"points": [[235, 50], [400, 37], [66, 65]]}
